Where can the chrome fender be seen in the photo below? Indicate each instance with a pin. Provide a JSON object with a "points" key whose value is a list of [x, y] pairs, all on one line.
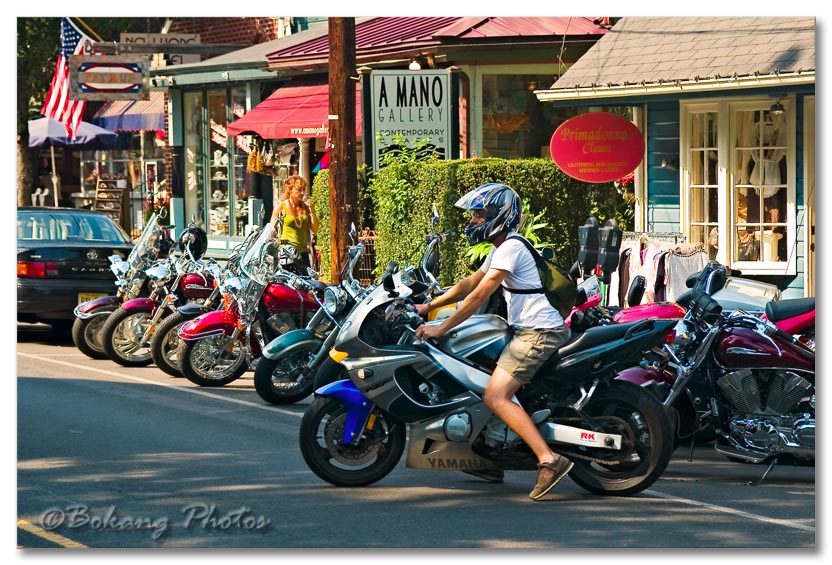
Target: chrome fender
{"points": [[290, 341]]}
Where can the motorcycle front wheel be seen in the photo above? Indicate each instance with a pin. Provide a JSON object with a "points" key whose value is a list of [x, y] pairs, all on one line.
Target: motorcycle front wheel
{"points": [[86, 335], [121, 337], [360, 463], [164, 345], [284, 380], [647, 441], [212, 361]]}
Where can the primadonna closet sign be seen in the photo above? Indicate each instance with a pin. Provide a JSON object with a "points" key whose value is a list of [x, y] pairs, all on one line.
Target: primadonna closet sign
{"points": [[414, 104], [597, 147]]}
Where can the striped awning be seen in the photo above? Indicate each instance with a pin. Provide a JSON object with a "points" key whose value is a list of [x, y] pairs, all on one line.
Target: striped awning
{"points": [[133, 115]]}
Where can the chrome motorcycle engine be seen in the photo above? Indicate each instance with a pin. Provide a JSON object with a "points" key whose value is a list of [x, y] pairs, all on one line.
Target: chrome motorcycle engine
{"points": [[282, 322], [774, 411]]}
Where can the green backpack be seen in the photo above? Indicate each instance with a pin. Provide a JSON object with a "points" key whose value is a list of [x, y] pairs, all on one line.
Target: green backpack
{"points": [[560, 288]]}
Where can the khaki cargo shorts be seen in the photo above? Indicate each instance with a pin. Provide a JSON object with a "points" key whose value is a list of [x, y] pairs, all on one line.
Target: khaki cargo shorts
{"points": [[529, 349]]}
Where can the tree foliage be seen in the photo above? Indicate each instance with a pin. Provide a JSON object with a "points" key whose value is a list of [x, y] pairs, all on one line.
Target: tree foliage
{"points": [[38, 41]]}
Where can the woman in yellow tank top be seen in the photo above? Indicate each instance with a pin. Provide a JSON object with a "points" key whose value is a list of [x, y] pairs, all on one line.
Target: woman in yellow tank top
{"points": [[300, 220]]}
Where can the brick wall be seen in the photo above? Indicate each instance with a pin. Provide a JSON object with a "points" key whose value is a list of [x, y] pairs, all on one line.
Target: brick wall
{"points": [[243, 31]]}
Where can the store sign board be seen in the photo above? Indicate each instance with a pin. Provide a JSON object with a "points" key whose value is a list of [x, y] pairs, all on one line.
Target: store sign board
{"points": [[597, 147], [166, 39], [109, 77], [414, 104]]}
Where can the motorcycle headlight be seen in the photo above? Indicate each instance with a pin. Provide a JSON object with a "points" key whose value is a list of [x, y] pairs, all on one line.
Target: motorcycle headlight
{"points": [[334, 299], [684, 331], [159, 275]]}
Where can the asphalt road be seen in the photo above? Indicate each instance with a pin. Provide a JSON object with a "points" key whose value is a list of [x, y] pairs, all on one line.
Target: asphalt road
{"points": [[115, 457]]}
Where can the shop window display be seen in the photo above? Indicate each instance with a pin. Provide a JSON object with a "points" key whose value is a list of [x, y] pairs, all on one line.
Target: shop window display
{"points": [[748, 183]]}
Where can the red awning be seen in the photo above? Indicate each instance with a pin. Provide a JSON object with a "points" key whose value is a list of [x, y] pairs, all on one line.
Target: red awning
{"points": [[293, 111]]}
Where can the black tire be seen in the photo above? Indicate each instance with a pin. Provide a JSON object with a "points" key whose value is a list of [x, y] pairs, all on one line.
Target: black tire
{"points": [[209, 362], [86, 335], [647, 443], [376, 453], [121, 337], [283, 380], [164, 345]]}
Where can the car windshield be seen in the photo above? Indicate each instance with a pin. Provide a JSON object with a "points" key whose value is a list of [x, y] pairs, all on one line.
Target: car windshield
{"points": [[45, 225]]}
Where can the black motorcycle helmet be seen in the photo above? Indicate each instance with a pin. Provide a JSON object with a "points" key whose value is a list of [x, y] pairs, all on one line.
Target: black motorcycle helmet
{"points": [[194, 237]]}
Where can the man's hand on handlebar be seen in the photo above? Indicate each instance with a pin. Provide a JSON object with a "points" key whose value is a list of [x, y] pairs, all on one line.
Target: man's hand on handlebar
{"points": [[427, 332], [422, 309]]}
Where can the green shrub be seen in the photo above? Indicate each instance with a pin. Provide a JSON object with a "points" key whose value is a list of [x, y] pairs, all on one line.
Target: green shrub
{"points": [[398, 200]]}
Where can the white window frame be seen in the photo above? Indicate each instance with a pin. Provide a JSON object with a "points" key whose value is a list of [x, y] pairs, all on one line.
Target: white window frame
{"points": [[726, 126]]}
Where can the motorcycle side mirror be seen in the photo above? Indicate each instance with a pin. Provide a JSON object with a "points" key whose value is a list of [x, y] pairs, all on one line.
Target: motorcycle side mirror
{"points": [[389, 285], [163, 213], [352, 232], [312, 272], [435, 218]]}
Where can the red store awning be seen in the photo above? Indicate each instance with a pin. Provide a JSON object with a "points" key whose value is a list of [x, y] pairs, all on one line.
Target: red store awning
{"points": [[293, 111]]}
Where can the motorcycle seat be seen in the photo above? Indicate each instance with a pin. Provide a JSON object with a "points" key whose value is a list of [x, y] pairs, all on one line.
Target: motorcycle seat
{"points": [[777, 310], [592, 337]]}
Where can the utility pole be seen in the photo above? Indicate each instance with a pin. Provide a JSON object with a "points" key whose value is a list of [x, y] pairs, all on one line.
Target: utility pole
{"points": [[343, 179]]}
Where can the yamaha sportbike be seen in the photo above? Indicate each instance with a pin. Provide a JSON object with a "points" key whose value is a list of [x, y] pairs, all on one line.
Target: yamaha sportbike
{"points": [[356, 430]]}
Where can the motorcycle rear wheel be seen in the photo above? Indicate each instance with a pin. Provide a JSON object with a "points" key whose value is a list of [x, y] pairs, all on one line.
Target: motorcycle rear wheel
{"points": [[122, 334], [282, 380], [370, 459], [212, 361], [164, 345], [86, 335], [647, 439]]}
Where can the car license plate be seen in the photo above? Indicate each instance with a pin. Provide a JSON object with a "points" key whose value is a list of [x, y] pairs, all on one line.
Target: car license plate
{"points": [[87, 296]]}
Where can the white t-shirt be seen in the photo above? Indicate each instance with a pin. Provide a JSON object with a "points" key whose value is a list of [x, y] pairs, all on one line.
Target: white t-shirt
{"points": [[525, 310]]}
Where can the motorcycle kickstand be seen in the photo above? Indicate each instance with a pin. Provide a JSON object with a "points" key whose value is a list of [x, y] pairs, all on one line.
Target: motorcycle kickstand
{"points": [[765, 474]]}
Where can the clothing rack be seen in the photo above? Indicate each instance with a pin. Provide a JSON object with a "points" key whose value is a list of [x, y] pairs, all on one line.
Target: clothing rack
{"points": [[675, 237]]}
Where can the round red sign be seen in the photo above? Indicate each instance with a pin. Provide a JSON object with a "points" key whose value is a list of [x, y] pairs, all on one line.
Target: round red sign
{"points": [[597, 147]]}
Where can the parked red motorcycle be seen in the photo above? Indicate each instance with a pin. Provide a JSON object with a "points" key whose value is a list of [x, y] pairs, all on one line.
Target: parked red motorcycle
{"points": [[125, 336], [153, 244], [164, 343], [218, 347], [758, 382]]}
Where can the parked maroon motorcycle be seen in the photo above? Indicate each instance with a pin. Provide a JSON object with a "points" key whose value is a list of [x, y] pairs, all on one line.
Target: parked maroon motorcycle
{"points": [[153, 244], [126, 334], [758, 382], [218, 347]]}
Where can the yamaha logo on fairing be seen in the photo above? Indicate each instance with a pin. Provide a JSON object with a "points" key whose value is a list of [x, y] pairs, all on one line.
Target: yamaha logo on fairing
{"points": [[448, 463]]}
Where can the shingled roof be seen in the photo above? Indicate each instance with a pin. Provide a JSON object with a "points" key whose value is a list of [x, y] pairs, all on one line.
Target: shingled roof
{"points": [[646, 51]]}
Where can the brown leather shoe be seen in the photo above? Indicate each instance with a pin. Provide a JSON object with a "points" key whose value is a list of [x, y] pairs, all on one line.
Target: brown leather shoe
{"points": [[549, 474]]}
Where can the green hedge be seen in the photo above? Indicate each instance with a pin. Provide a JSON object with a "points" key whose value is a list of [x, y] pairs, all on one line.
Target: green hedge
{"points": [[401, 196]]}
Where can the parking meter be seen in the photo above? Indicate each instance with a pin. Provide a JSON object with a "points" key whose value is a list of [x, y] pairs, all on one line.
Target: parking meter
{"points": [[609, 246]]}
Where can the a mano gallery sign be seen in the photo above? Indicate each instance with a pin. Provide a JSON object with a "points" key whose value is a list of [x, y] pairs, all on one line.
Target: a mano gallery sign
{"points": [[597, 147], [417, 105]]}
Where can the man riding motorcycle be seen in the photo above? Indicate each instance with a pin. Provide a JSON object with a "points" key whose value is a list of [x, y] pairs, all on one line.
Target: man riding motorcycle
{"points": [[538, 328]]}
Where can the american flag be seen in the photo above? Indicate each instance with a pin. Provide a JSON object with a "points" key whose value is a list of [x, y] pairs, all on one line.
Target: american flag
{"points": [[58, 106]]}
